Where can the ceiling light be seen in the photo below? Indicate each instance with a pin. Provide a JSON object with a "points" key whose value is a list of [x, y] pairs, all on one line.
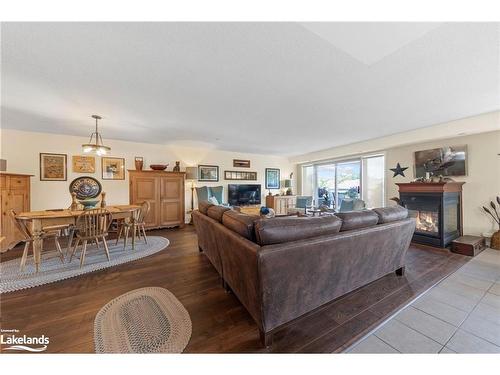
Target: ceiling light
{"points": [[97, 145]]}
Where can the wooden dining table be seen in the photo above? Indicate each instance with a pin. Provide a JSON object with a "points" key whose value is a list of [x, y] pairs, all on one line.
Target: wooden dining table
{"points": [[43, 219]]}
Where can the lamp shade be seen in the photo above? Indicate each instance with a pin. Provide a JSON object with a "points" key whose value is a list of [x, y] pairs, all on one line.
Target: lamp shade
{"points": [[191, 173], [287, 183]]}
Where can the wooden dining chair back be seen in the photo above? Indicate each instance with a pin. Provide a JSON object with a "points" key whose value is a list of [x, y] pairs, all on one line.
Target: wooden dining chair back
{"points": [[92, 225], [28, 238], [141, 219], [21, 226], [136, 223], [143, 212]]}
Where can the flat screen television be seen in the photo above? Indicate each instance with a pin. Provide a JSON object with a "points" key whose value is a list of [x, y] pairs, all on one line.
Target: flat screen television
{"points": [[243, 195]]}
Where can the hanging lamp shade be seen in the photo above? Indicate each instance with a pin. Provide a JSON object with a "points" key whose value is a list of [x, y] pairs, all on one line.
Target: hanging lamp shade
{"points": [[95, 144]]}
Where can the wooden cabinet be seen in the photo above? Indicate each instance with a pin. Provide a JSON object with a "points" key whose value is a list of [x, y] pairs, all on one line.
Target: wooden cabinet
{"points": [[14, 194], [281, 203], [165, 193]]}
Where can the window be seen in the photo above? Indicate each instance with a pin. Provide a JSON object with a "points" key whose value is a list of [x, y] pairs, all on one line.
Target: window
{"points": [[373, 188], [308, 180], [332, 182]]}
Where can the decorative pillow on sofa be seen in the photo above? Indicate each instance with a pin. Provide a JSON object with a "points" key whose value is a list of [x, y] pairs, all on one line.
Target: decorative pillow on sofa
{"points": [[213, 200], [390, 214], [357, 219], [292, 228]]}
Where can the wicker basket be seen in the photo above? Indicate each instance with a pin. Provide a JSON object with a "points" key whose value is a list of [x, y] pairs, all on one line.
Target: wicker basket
{"points": [[495, 240]]}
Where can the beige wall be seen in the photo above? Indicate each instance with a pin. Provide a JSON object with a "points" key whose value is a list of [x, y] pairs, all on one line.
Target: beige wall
{"points": [[482, 183], [483, 123], [21, 149]]}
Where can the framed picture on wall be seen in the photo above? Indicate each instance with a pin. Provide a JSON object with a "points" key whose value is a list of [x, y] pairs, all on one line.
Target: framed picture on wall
{"points": [[272, 178], [239, 163], [83, 164], [208, 173], [113, 168], [53, 167], [445, 161], [239, 175]]}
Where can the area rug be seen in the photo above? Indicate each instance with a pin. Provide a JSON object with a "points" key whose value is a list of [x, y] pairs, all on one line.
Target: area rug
{"points": [[51, 269], [146, 320]]}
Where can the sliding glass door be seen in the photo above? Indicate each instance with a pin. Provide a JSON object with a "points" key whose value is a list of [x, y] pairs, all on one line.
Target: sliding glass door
{"points": [[325, 182], [348, 181], [332, 183]]}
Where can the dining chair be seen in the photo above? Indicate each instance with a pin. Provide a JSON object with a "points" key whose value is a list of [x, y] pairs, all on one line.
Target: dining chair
{"points": [[140, 224], [349, 204], [138, 218], [302, 203], [47, 232], [91, 225]]}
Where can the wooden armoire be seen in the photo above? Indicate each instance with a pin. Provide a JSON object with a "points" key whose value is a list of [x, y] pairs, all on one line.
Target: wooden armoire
{"points": [[165, 193], [15, 194]]}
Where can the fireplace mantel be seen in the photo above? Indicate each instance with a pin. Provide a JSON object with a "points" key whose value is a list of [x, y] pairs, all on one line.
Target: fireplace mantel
{"points": [[430, 187]]}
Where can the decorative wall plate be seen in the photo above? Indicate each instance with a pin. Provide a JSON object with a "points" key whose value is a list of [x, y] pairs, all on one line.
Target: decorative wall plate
{"points": [[85, 187]]}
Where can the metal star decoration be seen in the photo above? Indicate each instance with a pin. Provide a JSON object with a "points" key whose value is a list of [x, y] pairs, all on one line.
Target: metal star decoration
{"points": [[399, 171]]}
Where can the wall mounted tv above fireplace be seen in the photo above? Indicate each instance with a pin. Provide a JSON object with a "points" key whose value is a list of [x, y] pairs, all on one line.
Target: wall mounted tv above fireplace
{"points": [[243, 195]]}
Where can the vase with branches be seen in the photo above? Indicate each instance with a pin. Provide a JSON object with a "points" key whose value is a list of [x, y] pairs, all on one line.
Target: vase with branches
{"points": [[494, 212]]}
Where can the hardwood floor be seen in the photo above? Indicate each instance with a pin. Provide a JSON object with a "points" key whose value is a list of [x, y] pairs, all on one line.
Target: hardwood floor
{"points": [[65, 311]]}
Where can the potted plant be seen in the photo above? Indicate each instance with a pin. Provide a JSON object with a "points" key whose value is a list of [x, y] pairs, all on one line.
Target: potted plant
{"points": [[494, 213]]}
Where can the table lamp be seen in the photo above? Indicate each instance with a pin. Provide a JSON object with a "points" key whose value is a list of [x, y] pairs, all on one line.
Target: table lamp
{"points": [[288, 184]]}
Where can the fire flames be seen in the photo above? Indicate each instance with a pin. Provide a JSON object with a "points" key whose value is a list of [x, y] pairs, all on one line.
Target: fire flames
{"points": [[427, 221]]}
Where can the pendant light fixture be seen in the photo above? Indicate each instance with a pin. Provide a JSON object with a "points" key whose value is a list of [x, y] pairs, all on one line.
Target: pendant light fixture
{"points": [[97, 146]]}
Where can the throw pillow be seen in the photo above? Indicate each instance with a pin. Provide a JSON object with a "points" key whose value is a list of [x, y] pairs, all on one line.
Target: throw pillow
{"points": [[213, 200]]}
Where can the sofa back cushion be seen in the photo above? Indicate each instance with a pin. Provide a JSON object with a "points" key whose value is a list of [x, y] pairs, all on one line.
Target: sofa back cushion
{"points": [[203, 206], [242, 224], [292, 228], [390, 214], [216, 212], [357, 219]]}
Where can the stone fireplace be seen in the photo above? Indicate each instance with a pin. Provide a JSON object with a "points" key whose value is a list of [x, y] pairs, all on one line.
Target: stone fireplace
{"points": [[437, 208]]}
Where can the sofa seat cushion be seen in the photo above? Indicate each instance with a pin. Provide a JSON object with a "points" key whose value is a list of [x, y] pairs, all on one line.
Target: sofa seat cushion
{"points": [[357, 219], [292, 228], [203, 206], [390, 214], [240, 223], [216, 212]]}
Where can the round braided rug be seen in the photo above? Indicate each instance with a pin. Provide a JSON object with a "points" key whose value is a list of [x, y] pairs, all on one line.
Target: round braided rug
{"points": [[146, 320]]}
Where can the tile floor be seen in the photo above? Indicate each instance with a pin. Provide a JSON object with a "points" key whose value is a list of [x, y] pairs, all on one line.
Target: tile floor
{"points": [[461, 314]]}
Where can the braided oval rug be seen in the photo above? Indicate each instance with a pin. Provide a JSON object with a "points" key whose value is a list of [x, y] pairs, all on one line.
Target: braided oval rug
{"points": [[52, 270], [145, 320]]}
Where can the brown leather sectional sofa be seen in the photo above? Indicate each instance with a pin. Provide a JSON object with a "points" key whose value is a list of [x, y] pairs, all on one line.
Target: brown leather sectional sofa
{"points": [[285, 267]]}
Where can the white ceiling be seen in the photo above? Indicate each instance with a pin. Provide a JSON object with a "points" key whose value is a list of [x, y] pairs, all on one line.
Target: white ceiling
{"points": [[282, 88], [370, 42]]}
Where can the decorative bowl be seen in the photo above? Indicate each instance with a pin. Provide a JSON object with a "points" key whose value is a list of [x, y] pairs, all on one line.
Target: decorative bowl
{"points": [[88, 204], [158, 167]]}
